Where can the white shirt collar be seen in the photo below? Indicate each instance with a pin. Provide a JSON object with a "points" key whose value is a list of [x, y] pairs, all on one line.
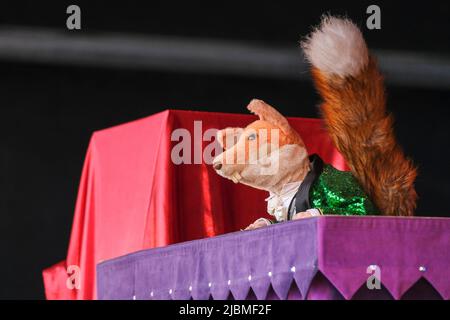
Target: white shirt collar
{"points": [[278, 204]]}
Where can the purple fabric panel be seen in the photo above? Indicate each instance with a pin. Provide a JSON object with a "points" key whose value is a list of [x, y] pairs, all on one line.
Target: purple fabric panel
{"points": [[115, 281], [404, 249], [282, 261], [233, 262]]}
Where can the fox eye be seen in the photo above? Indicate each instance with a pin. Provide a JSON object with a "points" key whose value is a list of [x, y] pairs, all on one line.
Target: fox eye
{"points": [[251, 136]]}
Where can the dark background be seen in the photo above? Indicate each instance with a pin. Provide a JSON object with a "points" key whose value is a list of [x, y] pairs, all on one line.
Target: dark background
{"points": [[49, 111]]}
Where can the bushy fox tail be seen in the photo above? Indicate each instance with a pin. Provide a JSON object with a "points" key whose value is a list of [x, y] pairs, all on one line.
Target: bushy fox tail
{"points": [[354, 111]]}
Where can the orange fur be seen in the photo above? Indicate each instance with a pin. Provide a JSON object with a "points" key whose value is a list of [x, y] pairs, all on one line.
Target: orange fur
{"points": [[269, 119], [354, 111], [267, 154]]}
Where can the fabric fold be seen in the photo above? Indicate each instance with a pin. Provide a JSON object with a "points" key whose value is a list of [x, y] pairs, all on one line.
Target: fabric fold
{"points": [[261, 287], [240, 289], [281, 284], [303, 279]]}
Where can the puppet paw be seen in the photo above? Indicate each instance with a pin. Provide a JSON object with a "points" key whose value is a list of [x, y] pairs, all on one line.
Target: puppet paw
{"points": [[301, 215], [261, 222]]}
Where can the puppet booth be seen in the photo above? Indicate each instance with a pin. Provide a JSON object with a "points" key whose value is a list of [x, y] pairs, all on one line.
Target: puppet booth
{"points": [[160, 205]]}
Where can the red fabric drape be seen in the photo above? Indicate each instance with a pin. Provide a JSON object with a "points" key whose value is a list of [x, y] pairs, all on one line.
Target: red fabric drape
{"points": [[132, 197]]}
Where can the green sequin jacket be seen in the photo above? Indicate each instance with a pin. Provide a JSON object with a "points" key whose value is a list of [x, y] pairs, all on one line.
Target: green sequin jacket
{"points": [[331, 191], [338, 192]]}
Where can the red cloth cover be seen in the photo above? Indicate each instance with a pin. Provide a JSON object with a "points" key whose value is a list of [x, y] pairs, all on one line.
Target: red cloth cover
{"points": [[132, 197]]}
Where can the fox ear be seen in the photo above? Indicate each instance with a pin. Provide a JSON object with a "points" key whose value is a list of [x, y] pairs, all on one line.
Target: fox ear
{"points": [[228, 137], [267, 113]]}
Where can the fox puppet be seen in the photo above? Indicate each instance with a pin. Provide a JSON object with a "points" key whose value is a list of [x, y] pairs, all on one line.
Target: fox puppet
{"points": [[381, 178]]}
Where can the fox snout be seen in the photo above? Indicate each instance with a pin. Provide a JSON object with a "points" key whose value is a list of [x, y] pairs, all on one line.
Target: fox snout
{"points": [[228, 168], [226, 164]]}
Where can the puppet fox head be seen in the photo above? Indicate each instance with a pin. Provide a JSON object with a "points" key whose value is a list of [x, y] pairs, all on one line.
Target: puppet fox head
{"points": [[266, 154]]}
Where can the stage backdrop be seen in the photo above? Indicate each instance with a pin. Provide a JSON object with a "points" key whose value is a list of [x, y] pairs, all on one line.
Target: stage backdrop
{"points": [[133, 197]]}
